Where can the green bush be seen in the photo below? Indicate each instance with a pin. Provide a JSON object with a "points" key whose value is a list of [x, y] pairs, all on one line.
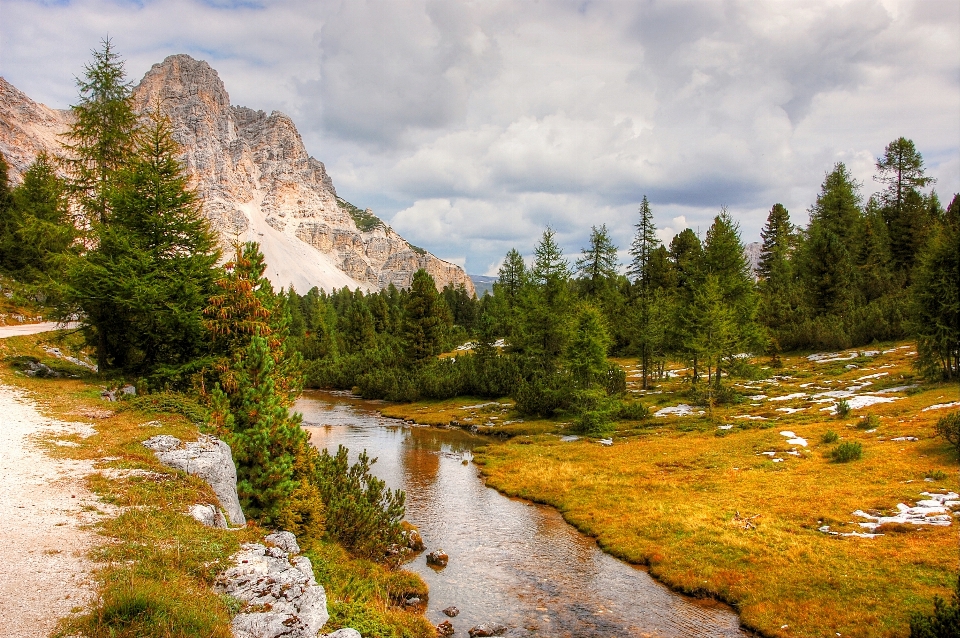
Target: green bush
{"points": [[594, 412], [633, 411], [843, 408], [943, 623], [936, 475], [829, 437], [702, 393], [948, 427], [847, 451], [167, 403], [872, 422], [362, 513]]}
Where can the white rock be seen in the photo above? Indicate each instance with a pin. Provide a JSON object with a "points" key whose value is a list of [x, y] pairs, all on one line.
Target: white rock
{"points": [[208, 458], [209, 515]]}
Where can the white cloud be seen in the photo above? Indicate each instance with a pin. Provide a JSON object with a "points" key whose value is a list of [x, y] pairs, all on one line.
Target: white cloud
{"points": [[471, 126]]}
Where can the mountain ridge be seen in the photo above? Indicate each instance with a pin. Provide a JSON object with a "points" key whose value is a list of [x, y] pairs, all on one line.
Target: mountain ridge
{"points": [[256, 181]]}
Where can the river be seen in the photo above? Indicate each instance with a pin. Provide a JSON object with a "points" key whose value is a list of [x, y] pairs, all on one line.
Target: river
{"points": [[511, 561]]}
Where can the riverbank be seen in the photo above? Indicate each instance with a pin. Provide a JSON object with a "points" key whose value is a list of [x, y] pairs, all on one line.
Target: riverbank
{"points": [[746, 504], [151, 566]]}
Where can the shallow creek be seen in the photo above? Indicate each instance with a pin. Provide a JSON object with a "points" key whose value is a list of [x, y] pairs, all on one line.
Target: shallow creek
{"points": [[511, 561]]}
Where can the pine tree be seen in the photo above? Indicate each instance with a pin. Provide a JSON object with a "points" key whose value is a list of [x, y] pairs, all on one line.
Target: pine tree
{"points": [[143, 287], [826, 257], [935, 299], [587, 353], [777, 297], [904, 208], [426, 319], [642, 248], [546, 308], [686, 255], [38, 227], [103, 134], [263, 435], [598, 262], [511, 277], [727, 268]]}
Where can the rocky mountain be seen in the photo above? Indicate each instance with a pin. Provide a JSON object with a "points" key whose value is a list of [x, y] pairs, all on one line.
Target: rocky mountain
{"points": [[256, 180]]}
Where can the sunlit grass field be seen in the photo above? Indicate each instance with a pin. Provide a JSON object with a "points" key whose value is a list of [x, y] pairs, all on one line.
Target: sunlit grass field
{"points": [[721, 505]]}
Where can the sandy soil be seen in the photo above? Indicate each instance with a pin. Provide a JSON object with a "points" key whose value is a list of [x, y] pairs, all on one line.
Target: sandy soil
{"points": [[33, 328], [43, 509]]}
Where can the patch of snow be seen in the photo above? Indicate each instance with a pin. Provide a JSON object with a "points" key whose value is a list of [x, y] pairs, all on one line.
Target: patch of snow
{"points": [[757, 397], [828, 357], [870, 353], [861, 401], [724, 427], [941, 406], [769, 453], [931, 511], [790, 410], [607, 442], [679, 410], [905, 438], [899, 388], [873, 376], [778, 460], [790, 397], [751, 417]]}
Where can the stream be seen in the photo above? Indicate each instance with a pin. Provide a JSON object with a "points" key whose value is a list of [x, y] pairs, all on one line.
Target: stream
{"points": [[511, 561]]}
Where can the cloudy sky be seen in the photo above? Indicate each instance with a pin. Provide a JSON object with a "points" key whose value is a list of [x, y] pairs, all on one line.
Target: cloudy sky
{"points": [[470, 126]]}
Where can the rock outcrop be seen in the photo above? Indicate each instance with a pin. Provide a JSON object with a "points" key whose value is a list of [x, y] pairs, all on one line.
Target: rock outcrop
{"points": [[208, 458], [255, 179], [276, 585]]}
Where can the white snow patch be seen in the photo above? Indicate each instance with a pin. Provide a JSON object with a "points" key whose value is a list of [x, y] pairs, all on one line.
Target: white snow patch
{"points": [[724, 427], [758, 397], [827, 357], [873, 376], [941, 406], [905, 438], [899, 388], [751, 417], [790, 410], [861, 401], [934, 510], [790, 397], [679, 410]]}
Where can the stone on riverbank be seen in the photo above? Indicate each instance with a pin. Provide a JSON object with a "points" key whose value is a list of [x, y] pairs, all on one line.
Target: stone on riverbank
{"points": [[437, 558]]}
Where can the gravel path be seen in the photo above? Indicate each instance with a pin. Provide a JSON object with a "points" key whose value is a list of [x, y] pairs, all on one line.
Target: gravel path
{"points": [[42, 508], [33, 328]]}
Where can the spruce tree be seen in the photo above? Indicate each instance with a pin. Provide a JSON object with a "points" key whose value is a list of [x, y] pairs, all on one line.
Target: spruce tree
{"points": [[102, 136], [425, 321], [598, 263], [935, 299], [827, 255], [643, 251], [264, 436], [904, 207], [38, 227], [546, 327], [642, 248], [777, 297], [143, 286]]}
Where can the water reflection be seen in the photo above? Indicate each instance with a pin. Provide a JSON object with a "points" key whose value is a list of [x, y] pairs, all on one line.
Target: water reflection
{"points": [[511, 561]]}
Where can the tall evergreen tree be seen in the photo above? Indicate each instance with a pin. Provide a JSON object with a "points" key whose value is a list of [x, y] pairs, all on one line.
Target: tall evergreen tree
{"points": [[143, 287], [642, 248], [827, 254], [426, 320], [904, 208], [547, 304], [37, 228], [644, 251], [777, 298], [935, 299], [102, 136], [598, 262]]}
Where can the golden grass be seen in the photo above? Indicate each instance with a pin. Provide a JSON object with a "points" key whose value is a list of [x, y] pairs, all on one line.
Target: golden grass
{"points": [[676, 494]]}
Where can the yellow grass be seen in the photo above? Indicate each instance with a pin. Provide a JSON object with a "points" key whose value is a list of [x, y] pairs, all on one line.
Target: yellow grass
{"points": [[677, 493]]}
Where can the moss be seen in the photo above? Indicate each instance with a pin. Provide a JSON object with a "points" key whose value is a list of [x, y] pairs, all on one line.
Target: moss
{"points": [[364, 219]]}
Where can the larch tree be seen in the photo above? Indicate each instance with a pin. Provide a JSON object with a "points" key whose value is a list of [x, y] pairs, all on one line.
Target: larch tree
{"points": [[598, 263]]}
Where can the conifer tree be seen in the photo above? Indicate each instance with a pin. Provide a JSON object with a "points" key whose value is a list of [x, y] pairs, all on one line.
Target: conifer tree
{"points": [[904, 207], [547, 304], [426, 319], [102, 136], [775, 270], [37, 227], [598, 262], [935, 299], [143, 287], [827, 254], [644, 250], [264, 436]]}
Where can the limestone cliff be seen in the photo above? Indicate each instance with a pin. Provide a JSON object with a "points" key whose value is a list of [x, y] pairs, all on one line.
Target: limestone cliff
{"points": [[256, 181]]}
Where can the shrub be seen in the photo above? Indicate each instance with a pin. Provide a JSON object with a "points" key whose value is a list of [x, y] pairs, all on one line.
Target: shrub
{"points": [[843, 408], [169, 403], [633, 411], [829, 437], [362, 513], [702, 393], [872, 422], [594, 412], [936, 475], [847, 451], [948, 427], [943, 623]]}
